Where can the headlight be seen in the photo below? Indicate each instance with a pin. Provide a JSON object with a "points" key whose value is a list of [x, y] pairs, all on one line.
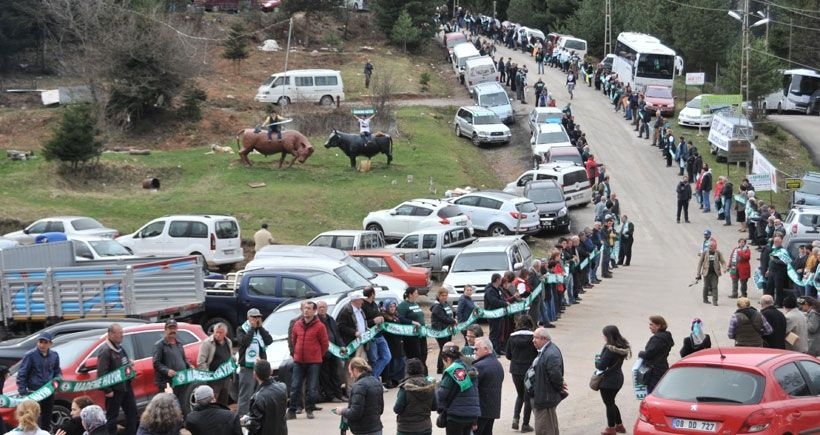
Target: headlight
{"points": [[483, 134], [562, 212]]}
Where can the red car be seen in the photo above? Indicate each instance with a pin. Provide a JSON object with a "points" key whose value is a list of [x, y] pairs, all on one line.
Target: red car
{"points": [[660, 98], [78, 361], [391, 264], [736, 390]]}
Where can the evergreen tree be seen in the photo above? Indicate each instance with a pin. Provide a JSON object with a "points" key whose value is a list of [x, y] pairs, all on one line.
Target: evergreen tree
{"points": [[404, 31], [702, 37], [236, 46], [764, 74], [421, 13], [75, 137]]}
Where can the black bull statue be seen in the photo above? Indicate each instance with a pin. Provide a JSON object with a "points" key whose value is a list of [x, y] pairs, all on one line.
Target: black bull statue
{"points": [[353, 145]]}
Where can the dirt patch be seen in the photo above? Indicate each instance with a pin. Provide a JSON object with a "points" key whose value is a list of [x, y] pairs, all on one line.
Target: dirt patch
{"points": [[111, 174]]}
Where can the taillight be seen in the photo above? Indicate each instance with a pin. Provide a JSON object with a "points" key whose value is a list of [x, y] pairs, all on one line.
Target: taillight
{"points": [[758, 421], [213, 242], [444, 221], [643, 412], [517, 215]]}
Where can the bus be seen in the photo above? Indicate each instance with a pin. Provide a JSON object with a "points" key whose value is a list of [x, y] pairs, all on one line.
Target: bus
{"points": [[641, 60], [796, 91]]}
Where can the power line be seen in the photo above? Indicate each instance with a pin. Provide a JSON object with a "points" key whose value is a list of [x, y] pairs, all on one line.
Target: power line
{"points": [[814, 68], [813, 29], [793, 10], [703, 8]]}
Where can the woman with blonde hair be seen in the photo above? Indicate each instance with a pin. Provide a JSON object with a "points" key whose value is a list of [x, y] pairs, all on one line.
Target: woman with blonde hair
{"points": [[162, 416], [364, 410], [28, 414], [442, 318]]}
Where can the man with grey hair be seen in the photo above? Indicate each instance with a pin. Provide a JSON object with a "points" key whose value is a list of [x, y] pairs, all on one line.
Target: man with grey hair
{"points": [[93, 419], [209, 417], [490, 378], [545, 383], [111, 358], [777, 339], [215, 351]]}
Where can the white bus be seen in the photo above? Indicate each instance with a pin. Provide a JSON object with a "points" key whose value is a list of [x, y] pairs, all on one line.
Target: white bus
{"points": [[795, 92], [642, 60]]}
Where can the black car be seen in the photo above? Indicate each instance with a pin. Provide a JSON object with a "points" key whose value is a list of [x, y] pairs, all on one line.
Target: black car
{"points": [[13, 350]]}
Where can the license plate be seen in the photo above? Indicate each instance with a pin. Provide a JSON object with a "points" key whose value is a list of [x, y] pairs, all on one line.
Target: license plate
{"points": [[229, 251], [694, 425]]}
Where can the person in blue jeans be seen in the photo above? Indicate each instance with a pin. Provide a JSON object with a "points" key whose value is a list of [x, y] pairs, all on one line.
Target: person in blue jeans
{"points": [[706, 188], [378, 352], [726, 194]]}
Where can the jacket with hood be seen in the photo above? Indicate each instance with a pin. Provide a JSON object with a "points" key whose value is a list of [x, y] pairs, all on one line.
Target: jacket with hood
{"points": [[212, 418], [415, 401], [364, 410], [611, 362], [461, 406], [520, 351]]}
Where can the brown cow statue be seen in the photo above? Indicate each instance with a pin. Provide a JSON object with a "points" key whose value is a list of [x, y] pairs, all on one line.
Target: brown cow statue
{"points": [[293, 143]]}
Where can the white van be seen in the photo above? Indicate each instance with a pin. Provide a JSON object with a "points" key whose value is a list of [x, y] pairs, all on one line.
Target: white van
{"points": [[493, 96], [461, 53], [572, 178], [215, 237], [571, 43], [479, 70], [323, 86]]}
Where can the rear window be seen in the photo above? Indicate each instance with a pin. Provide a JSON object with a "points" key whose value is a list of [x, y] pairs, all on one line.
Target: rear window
{"points": [[552, 137], [85, 224], [188, 229], [526, 207], [711, 384], [226, 229], [574, 44], [572, 177], [659, 92], [449, 211], [810, 186]]}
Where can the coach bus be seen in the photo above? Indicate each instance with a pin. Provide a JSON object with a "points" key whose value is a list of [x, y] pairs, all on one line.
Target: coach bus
{"points": [[796, 92], [641, 60]]}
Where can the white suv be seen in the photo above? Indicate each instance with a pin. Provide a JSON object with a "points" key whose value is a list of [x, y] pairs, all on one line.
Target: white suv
{"points": [[545, 137], [481, 125], [498, 213], [216, 238], [414, 215], [803, 219]]}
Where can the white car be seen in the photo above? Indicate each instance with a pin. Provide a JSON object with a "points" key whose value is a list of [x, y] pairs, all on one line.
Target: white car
{"points": [[409, 216], [692, 115], [545, 137], [803, 220], [481, 125], [497, 213], [98, 248], [69, 225], [544, 115]]}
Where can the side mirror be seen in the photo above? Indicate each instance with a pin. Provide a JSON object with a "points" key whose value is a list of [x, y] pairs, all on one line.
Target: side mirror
{"points": [[445, 268], [89, 365], [26, 231], [392, 212], [518, 266], [311, 294]]}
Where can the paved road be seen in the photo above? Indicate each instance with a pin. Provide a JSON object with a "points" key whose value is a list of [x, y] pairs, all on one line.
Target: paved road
{"points": [[656, 283], [806, 128]]}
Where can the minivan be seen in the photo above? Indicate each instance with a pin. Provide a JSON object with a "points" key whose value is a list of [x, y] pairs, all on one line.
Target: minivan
{"points": [[494, 97], [571, 43], [323, 86], [479, 70], [572, 177], [215, 237], [461, 53], [452, 39]]}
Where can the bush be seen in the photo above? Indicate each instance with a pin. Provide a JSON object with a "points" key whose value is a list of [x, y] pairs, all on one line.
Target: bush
{"points": [[75, 138], [192, 99]]}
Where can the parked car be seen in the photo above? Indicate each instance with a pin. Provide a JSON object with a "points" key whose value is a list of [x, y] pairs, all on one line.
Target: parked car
{"points": [[214, 237], [7, 243], [544, 115], [70, 225], [548, 197], [99, 248], [443, 243], [389, 263], [545, 137], [734, 390], [78, 361], [498, 213], [412, 215], [660, 98], [481, 125], [349, 240], [809, 192], [13, 350], [475, 264], [563, 154], [693, 115], [270, 5], [572, 178], [803, 219]]}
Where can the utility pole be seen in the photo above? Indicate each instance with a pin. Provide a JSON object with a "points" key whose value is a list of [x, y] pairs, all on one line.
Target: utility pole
{"points": [[745, 53], [790, 40], [607, 29]]}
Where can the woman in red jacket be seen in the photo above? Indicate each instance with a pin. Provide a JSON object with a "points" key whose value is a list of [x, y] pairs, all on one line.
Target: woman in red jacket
{"points": [[739, 267]]}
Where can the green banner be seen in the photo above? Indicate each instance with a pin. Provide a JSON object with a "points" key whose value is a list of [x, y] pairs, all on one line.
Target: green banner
{"points": [[120, 375], [225, 369]]}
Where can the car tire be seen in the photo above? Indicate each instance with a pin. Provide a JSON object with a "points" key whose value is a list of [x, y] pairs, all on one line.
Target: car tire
{"points": [[565, 229], [374, 227], [283, 101], [209, 325], [61, 413], [326, 101], [458, 131], [497, 230], [475, 140]]}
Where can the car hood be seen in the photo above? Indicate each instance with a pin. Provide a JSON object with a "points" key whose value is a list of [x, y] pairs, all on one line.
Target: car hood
{"points": [[389, 282], [689, 112], [660, 101], [479, 278], [550, 206]]}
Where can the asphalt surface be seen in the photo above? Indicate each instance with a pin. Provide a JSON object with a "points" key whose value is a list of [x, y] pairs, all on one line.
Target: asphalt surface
{"points": [[804, 127], [657, 282]]}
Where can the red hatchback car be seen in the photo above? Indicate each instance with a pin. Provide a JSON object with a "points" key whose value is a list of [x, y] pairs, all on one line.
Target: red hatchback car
{"points": [[391, 264], [735, 391], [78, 360]]}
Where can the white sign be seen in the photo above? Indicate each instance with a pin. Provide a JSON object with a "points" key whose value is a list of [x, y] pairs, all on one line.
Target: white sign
{"points": [[760, 168], [695, 79], [761, 182]]}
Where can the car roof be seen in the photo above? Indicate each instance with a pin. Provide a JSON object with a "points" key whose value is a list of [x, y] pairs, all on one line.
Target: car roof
{"points": [[489, 86], [497, 194], [478, 110], [67, 217], [550, 127], [756, 357], [564, 149], [306, 71], [550, 181], [440, 229], [277, 251], [366, 252], [316, 262], [342, 233], [559, 166], [195, 216], [547, 110], [286, 270]]}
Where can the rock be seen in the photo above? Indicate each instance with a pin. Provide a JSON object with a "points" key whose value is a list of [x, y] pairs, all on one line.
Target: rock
{"points": [[366, 48], [314, 53], [230, 97]]}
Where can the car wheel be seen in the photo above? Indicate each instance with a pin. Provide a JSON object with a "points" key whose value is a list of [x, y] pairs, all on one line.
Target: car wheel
{"points": [[225, 268], [476, 142], [375, 227], [211, 323], [283, 101], [458, 131], [327, 100], [61, 413], [497, 230], [202, 261], [565, 229]]}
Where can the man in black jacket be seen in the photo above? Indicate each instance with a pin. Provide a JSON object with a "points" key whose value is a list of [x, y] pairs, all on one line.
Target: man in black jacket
{"points": [[252, 339], [330, 385], [777, 320], [169, 358], [113, 356], [493, 299], [684, 191], [268, 404], [209, 417], [545, 382]]}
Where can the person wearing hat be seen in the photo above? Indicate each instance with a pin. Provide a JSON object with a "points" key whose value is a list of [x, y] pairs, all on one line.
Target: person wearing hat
{"points": [[94, 420], [37, 368], [351, 320], [169, 358], [112, 356], [209, 417], [252, 339], [704, 246]]}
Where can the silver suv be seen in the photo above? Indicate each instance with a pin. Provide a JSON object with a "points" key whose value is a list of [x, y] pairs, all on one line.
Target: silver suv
{"points": [[498, 213], [809, 193], [481, 125]]}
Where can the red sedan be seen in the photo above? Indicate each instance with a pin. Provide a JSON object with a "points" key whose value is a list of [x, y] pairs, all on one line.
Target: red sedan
{"points": [[78, 360], [736, 390], [391, 264]]}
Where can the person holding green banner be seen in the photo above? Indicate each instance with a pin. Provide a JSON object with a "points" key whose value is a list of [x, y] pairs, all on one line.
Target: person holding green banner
{"points": [[169, 358], [457, 394], [252, 339], [39, 367], [113, 356]]}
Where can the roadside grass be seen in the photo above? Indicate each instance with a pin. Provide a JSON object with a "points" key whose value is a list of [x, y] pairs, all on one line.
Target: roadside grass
{"points": [[298, 203]]}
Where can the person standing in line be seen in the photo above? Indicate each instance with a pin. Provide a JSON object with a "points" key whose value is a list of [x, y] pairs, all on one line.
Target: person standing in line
{"points": [[37, 368], [545, 383], [710, 265], [410, 310], [811, 307], [364, 411], [739, 268], [774, 268], [656, 352], [169, 358], [268, 404], [726, 195], [706, 188], [473, 332], [262, 238], [684, 192], [697, 339], [252, 339], [415, 401], [777, 320], [368, 71], [215, 351], [521, 352], [494, 299], [626, 238], [378, 352], [747, 326], [609, 364], [209, 417], [490, 378], [310, 343], [465, 307], [796, 327], [112, 356], [441, 318], [330, 385], [457, 394]]}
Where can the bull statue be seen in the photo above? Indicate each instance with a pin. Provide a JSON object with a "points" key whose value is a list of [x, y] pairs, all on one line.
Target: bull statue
{"points": [[293, 143], [354, 145]]}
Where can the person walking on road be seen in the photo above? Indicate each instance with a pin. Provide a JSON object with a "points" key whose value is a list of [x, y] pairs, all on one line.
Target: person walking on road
{"points": [[656, 352], [710, 266], [112, 356], [609, 363], [684, 192], [521, 352]]}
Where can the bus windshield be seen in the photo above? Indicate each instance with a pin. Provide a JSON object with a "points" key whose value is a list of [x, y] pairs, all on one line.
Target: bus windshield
{"points": [[656, 66], [804, 85]]}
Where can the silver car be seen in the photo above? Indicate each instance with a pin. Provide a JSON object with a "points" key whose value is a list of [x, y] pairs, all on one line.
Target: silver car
{"points": [[481, 125], [499, 213]]}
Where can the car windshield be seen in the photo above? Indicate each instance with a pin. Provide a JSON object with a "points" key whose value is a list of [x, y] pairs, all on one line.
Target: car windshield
{"points": [[711, 384], [493, 100], [694, 104], [543, 118], [545, 195], [574, 44], [810, 186], [486, 120], [552, 137], [352, 278], [480, 261], [68, 350], [278, 321], [108, 248], [360, 268], [659, 92], [329, 284], [85, 224]]}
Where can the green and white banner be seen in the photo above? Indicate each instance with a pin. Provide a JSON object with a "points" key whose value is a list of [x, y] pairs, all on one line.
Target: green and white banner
{"points": [[194, 375]]}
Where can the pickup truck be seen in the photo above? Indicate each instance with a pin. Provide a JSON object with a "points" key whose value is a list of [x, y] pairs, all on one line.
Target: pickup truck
{"points": [[353, 240], [44, 284], [442, 243]]}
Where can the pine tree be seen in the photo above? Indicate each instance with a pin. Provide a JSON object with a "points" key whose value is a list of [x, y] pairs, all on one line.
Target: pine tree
{"points": [[75, 137], [236, 46], [404, 31]]}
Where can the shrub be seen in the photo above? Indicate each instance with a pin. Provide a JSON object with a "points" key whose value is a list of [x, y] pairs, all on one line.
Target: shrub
{"points": [[75, 137]]}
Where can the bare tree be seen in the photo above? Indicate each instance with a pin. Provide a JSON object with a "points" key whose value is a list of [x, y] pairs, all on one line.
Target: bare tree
{"points": [[384, 88]]}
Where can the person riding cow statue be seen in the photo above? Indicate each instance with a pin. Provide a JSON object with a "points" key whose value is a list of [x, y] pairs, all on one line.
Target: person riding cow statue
{"points": [[286, 142], [364, 143]]}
